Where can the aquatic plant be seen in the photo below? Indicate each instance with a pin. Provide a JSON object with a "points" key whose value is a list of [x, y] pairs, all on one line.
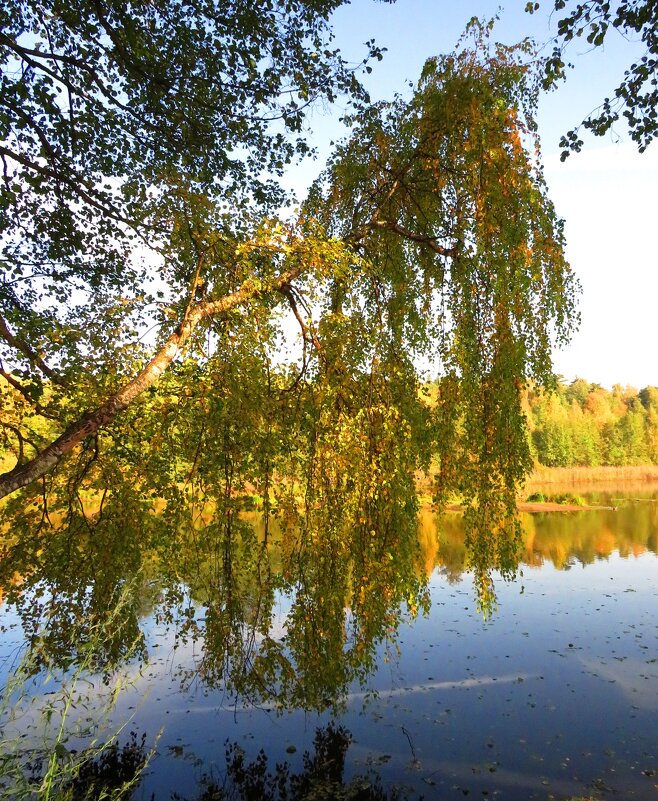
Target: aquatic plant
{"points": [[61, 744]]}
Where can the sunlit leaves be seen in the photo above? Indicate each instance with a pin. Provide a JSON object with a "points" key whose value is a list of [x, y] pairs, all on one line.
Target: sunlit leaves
{"points": [[124, 132], [635, 99], [430, 238], [441, 196]]}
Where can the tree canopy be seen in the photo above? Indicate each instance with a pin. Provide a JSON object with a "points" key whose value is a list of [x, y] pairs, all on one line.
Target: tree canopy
{"points": [[141, 148], [120, 127], [636, 96], [582, 424]]}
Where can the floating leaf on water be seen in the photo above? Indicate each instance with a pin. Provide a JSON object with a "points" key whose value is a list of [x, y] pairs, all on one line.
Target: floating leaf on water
{"points": [[382, 759]]}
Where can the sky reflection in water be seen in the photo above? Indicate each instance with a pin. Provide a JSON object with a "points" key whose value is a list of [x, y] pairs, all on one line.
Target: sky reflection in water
{"points": [[556, 693]]}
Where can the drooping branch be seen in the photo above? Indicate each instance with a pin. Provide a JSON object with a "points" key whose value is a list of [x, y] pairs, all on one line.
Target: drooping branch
{"points": [[91, 422], [22, 440], [28, 352], [391, 225], [422, 239], [24, 391], [309, 335]]}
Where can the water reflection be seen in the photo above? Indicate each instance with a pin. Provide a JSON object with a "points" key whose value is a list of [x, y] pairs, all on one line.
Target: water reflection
{"points": [[277, 615], [559, 538], [382, 631]]}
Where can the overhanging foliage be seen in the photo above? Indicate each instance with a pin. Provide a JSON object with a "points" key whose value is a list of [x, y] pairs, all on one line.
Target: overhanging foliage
{"points": [[429, 236]]}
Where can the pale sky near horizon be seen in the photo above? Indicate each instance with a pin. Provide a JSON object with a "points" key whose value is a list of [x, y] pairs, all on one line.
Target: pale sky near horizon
{"points": [[607, 194]]}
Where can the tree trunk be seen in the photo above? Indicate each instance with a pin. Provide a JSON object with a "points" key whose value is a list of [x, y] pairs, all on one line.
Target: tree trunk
{"points": [[89, 423]]}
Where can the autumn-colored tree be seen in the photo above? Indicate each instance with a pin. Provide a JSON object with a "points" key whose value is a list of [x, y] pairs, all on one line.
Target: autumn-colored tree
{"points": [[133, 145], [584, 424], [146, 136]]}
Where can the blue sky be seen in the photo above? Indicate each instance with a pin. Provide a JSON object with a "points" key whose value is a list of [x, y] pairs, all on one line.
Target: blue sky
{"points": [[608, 194]]}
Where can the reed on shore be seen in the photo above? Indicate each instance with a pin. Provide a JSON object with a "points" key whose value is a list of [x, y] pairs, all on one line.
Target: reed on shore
{"points": [[602, 474]]}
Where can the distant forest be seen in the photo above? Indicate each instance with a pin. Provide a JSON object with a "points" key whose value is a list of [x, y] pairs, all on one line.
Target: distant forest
{"points": [[582, 424]]}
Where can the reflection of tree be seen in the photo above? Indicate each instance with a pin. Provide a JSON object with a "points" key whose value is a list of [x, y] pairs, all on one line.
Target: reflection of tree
{"points": [[337, 544], [343, 592], [345, 562], [349, 598], [320, 780], [113, 772], [287, 608], [452, 556], [558, 537], [587, 536], [220, 592], [75, 570]]}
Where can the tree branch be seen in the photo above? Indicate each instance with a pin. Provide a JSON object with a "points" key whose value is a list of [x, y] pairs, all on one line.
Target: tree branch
{"points": [[38, 408], [28, 352], [75, 183], [391, 225], [309, 335], [22, 440], [91, 422]]}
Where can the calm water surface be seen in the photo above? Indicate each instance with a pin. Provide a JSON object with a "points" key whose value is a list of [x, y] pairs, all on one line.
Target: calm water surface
{"points": [[555, 694]]}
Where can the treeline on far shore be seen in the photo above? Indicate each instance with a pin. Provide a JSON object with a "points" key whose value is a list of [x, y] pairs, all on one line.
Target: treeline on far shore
{"points": [[585, 425]]}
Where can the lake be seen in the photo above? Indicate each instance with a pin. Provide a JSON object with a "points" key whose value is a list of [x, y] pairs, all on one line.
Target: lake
{"points": [[553, 694]]}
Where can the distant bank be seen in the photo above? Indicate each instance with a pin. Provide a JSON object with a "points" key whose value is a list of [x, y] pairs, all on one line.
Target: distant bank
{"points": [[610, 475]]}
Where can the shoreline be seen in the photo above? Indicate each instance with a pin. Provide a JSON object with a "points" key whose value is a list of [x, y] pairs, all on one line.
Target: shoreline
{"points": [[545, 506]]}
